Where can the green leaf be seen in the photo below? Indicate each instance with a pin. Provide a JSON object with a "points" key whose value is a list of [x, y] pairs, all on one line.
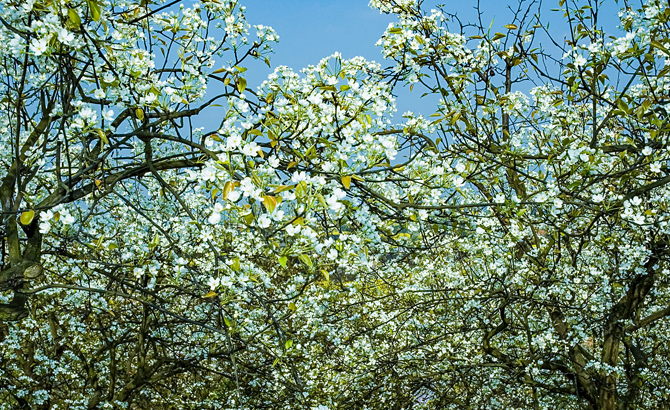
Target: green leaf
{"points": [[282, 261], [94, 9], [658, 45], [235, 265], [102, 136], [227, 189], [346, 181], [283, 188], [27, 217], [322, 200], [306, 260], [248, 218], [241, 84], [622, 105], [288, 344], [153, 244], [140, 114], [270, 202], [74, 18]]}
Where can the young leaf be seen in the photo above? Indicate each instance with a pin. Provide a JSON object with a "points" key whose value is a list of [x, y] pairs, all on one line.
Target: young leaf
{"points": [[74, 18], [153, 244], [322, 200], [227, 189], [270, 203], [102, 136], [282, 188], [235, 265], [306, 260], [298, 221], [241, 84], [658, 45], [27, 217], [210, 294], [346, 181], [282, 261], [94, 8], [622, 106]]}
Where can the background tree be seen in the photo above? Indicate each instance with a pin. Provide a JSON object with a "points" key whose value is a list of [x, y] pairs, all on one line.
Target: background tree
{"points": [[541, 273], [309, 251], [96, 128], [152, 263]]}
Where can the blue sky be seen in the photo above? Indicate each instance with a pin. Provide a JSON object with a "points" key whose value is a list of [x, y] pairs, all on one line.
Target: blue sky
{"points": [[313, 29], [310, 30]]}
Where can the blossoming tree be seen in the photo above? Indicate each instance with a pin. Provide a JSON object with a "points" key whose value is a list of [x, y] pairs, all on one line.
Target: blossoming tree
{"points": [[541, 278], [176, 237]]}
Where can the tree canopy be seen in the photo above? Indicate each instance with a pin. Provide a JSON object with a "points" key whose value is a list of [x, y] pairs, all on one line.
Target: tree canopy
{"points": [[174, 236]]}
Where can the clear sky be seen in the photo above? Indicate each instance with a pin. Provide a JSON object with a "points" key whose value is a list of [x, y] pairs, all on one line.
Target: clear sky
{"points": [[313, 29], [310, 30]]}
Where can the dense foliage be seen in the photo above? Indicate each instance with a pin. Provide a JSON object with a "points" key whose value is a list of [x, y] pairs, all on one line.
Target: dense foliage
{"points": [[174, 237]]}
